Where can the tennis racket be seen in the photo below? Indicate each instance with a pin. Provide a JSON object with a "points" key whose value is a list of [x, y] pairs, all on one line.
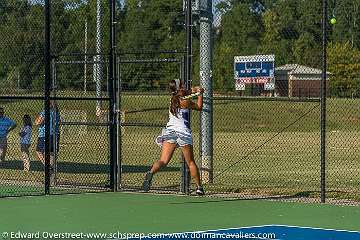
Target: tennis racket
{"points": [[193, 95]]}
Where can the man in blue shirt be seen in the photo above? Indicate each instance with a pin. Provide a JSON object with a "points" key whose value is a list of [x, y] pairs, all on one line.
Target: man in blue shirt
{"points": [[54, 133], [6, 125]]}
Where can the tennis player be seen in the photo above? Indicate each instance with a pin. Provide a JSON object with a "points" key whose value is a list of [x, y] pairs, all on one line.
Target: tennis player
{"points": [[178, 133], [55, 121]]}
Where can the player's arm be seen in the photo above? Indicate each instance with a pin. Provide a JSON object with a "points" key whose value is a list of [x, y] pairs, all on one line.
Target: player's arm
{"points": [[13, 125], [199, 102], [39, 120], [196, 89]]}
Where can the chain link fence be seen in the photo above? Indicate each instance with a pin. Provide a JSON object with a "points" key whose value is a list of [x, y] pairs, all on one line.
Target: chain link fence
{"points": [[150, 48], [261, 64], [267, 135], [21, 78], [144, 115], [79, 128], [18, 175], [79, 86]]}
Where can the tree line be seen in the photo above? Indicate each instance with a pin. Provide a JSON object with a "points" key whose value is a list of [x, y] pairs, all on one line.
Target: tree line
{"points": [[291, 30]]}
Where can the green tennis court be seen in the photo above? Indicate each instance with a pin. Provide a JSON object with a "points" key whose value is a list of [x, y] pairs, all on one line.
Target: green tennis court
{"points": [[148, 213]]}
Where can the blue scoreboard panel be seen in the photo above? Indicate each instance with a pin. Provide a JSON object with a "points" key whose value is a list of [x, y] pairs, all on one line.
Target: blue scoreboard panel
{"points": [[254, 69]]}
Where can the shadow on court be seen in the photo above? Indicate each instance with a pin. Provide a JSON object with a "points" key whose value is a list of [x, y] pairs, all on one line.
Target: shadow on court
{"points": [[80, 168], [298, 195]]}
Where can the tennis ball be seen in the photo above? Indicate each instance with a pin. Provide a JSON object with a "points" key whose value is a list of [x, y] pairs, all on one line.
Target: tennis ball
{"points": [[333, 21]]}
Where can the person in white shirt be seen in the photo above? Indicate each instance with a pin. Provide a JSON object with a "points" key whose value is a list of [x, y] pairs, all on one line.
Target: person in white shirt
{"points": [[178, 133]]}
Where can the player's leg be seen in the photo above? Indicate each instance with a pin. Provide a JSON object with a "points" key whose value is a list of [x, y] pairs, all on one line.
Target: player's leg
{"points": [[194, 170], [52, 169], [165, 157], [40, 150], [25, 156], [54, 148], [3, 148], [53, 151], [41, 157]]}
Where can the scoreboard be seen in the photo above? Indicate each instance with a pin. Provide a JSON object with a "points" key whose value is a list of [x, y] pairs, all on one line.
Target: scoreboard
{"points": [[257, 69]]}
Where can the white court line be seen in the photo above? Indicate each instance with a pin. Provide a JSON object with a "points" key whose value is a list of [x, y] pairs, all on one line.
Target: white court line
{"points": [[315, 228], [269, 225]]}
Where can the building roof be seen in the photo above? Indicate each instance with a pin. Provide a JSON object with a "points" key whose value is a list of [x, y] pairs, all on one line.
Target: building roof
{"points": [[298, 69]]}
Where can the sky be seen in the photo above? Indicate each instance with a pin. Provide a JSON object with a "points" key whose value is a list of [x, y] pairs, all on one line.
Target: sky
{"points": [[217, 17]]}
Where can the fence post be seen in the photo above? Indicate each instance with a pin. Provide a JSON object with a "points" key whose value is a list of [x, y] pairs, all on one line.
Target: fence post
{"points": [[120, 121], [112, 95], [98, 59], [47, 86], [185, 176], [323, 106], [206, 19]]}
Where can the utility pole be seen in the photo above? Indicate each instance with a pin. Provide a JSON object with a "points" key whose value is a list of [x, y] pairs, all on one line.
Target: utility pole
{"points": [[206, 21]]}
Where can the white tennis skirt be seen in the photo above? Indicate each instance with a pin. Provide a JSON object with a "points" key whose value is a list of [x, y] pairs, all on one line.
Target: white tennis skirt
{"points": [[171, 136]]}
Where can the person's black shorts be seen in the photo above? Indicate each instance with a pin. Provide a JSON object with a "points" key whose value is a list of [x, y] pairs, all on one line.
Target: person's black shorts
{"points": [[40, 147]]}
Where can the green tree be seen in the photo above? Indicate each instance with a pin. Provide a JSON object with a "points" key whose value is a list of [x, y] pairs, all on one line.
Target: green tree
{"points": [[239, 34], [307, 51], [21, 43], [344, 66], [150, 26], [273, 41], [347, 28]]}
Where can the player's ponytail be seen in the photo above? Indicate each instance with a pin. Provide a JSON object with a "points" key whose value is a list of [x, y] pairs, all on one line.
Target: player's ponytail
{"points": [[175, 98]]}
